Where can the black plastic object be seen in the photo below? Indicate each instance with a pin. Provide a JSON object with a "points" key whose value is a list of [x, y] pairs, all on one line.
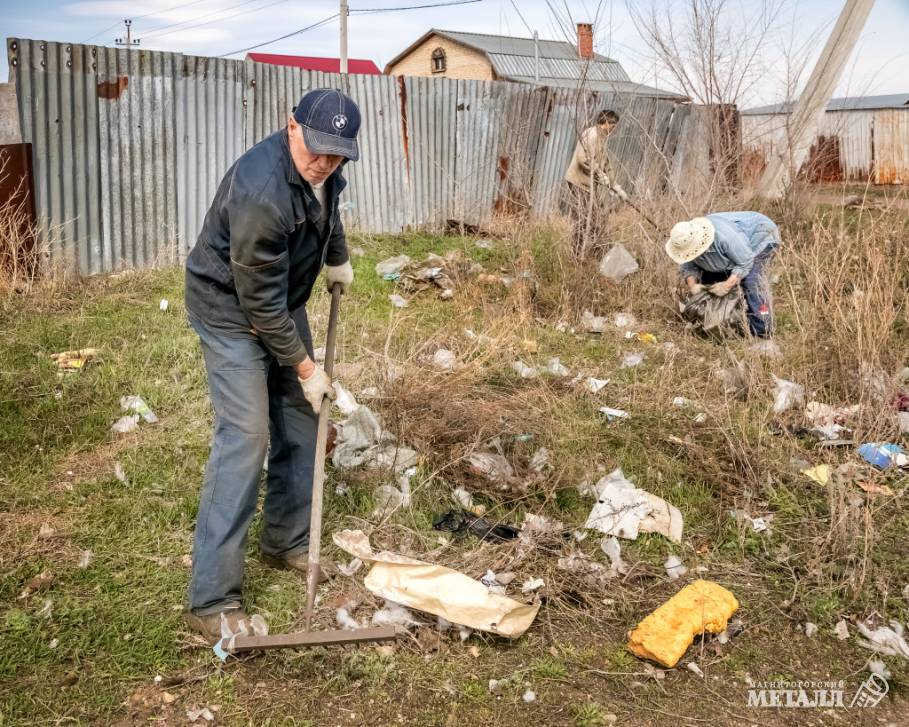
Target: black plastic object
{"points": [[716, 316], [461, 521]]}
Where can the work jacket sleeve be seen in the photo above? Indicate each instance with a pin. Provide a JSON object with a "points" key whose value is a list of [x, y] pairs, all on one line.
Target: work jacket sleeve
{"points": [[337, 243], [734, 246], [689, 269], [260, 263]]}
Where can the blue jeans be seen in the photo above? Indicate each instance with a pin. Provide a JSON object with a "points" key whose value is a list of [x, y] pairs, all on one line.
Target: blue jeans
{"points": [[254, 400], [758, 295]]}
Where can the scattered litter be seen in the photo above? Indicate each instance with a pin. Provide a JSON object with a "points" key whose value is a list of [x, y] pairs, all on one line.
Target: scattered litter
{"points": [[734, 378], [830, 432], [536, 528], [883, 454], [532, 584], [712, 316], [47, 610], [841, 629], [85, 558], [346, 621], [820, 474], [74, 360], [205, 713], [494, 467], [54, 643], [397, 301], [462, 497], [484, 244], [889, 641], [388, 499], [872, 488], [613, 551], [351, 568], [529, 696], [554, 367], [810, 629], [437, 590], [666, 634], [164, 304], [492, 583], [675, 568], [120, 473], [454, 521], [392, 265], [613, 414], [494, 687], [344, 400], [529, 345], [480, 338], [584, 567], [624, 320], [137, 405], [877, 666], [394, 614], [363, 441], [903, 417], [821, 415], [446, 294], [46, 531], [618, 264], [540, 460], [592, 323], [631, 359], [404, 484], [694, 669], [682, 403], [444, 360], [524, 371], [623, 510], [759, 524], [126, 424], [645, 337], [786, 395], [594, 385]]}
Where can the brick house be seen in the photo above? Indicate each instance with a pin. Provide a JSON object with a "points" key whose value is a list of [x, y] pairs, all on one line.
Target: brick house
{"points": [[479, 56]]}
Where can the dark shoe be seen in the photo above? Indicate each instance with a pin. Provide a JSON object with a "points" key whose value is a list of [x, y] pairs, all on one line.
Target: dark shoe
{"points": [[210, 626], [300, 563]]}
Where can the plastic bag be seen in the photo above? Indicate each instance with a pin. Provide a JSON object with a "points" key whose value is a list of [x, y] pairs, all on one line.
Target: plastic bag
{"points": [[715, 316]]}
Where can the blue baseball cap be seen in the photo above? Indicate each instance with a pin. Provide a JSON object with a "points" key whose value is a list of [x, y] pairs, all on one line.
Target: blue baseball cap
{"points": [[330, 122]]}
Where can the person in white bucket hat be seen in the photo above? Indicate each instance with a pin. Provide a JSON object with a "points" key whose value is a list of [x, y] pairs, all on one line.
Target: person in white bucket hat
{"points": [[727, 250]]}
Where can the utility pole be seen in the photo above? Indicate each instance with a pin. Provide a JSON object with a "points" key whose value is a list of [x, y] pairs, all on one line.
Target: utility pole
{"points": [[536, 56], [129, 41], [343, 15], [812, 103]]}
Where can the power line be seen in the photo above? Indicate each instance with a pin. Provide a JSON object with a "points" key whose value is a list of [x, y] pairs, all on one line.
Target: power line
{"points": [[160, 30], [147, 15], [283, 37], [414, 7], [515, 6]]}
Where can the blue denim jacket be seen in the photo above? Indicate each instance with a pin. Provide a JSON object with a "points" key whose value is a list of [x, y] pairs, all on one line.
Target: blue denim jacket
{"points": [[740, 237]]}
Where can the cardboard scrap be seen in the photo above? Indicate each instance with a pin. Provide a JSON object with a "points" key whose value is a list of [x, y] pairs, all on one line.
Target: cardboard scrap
{"points": [[666, 634], [437, 590], [74, 360]]}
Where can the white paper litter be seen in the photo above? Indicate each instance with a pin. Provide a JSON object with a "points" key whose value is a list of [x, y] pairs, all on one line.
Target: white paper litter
{"points": [[694, 669], [164, 304], [613, 550], [630, 360], [394, 614], [344, 400], [681, 402], [787, 395], [397, 301], [388, 499], [675, 568], [119, 472], [810, 629], [554, 367], [346, 621], [194, 714], [529, 696], [877, 666], [137, 405], [480, 338], [392, 265], [889, 641], [841, 629], [524, 371], [493, 583], [623, 510], [363, 441], [624, 320], [592, 323], [594, 385], [85, 558], [540, 460], [125, 424], [462, 497], [612, 414], [532, 584], [618, 264], [494, 467], [444, 360], [350, 568]]}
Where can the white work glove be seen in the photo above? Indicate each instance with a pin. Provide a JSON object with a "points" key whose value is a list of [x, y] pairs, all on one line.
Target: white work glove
{"points": [[721, 289], [316, 386], [619, 192], [342, 274], [696, 288]]}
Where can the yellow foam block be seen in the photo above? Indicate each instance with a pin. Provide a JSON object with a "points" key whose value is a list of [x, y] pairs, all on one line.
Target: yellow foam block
{"points": [[666, 634]]}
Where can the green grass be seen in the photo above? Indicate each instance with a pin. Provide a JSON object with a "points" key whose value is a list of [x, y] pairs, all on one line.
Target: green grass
{"points": [[117, 622]]}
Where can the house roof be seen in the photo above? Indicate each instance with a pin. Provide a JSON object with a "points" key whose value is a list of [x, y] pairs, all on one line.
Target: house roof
{"points": [[847, 103], [509, 55], [617, 87], [315, 63]]}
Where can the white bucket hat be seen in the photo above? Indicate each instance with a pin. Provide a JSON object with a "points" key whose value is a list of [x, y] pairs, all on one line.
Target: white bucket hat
{"points": [[689, 239]]}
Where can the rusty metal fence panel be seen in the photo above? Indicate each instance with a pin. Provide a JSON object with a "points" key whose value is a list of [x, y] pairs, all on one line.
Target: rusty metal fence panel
{"points": [[891, 146], [129, 146]]}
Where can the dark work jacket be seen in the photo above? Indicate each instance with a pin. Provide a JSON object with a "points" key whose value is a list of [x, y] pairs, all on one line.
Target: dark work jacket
{"points": [[253, 267]]}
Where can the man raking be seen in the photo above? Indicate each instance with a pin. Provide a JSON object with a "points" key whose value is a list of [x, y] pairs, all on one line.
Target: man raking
{"points": [[272, 226]]}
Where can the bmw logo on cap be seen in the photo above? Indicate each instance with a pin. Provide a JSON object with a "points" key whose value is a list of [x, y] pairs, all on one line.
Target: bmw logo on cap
{"points": [[339, 122]]}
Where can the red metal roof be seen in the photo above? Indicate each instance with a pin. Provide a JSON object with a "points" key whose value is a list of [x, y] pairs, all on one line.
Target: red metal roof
{"points": [[313, 63]]}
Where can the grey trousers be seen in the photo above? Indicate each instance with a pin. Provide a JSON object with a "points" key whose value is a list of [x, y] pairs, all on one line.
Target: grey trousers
{"points": [[255, 400]]}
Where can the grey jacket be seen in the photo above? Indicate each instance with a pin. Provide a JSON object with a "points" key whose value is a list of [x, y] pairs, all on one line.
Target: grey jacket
{"points": [[261, 248]]}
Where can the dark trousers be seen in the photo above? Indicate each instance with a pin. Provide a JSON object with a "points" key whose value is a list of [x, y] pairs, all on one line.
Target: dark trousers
{"points": [[757, 291], [255, 401]]}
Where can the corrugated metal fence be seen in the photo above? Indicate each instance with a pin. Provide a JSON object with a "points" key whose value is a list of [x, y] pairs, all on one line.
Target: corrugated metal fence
{"points": [[130, 145]]}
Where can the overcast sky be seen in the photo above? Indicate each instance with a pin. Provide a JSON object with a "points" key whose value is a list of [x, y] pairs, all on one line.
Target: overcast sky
{"points": [[880, 64]]}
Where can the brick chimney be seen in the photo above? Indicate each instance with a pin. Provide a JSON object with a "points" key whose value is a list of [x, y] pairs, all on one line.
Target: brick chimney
{"points": [[585, 41]]}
